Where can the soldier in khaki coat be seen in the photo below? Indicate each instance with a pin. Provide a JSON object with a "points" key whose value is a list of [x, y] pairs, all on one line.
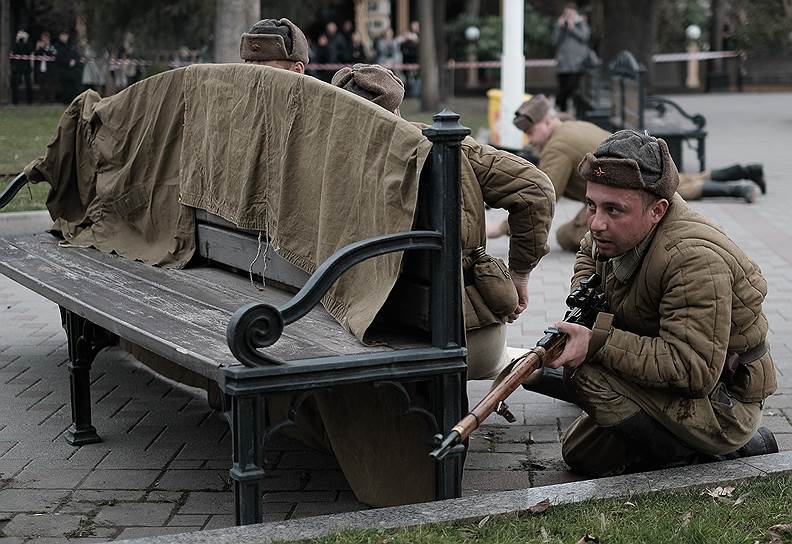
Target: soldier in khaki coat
{"points": [[278, 43], [501, 180], [678, 370], [562, 144], [395, 467]]}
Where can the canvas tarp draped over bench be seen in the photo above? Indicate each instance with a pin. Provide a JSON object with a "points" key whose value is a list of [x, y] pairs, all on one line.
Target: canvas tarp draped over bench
{"points": [[313, 167]]}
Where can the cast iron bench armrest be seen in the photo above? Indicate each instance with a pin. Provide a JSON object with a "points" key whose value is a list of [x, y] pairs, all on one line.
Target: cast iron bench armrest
{"points": [[13, 188], [660, 104], [258, 325]]}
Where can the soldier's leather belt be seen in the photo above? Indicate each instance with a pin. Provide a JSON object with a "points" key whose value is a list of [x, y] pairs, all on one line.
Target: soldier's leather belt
{"points": [[734, 360]]}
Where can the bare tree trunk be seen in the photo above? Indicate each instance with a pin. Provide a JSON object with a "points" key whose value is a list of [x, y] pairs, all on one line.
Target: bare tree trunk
{"points": [[232, 18], [430, 92], [445, 76], [361, 24], [5, 39], [402, 16], [472, 8], [716, 34], [632, 26]]}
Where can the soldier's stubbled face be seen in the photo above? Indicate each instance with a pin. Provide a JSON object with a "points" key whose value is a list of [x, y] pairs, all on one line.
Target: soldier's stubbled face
{"points": [[619, 219]]}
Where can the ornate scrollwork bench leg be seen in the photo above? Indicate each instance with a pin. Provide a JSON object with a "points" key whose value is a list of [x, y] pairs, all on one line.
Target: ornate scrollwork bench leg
{"points": [[449, 406], [247, 423], [85, 341]]}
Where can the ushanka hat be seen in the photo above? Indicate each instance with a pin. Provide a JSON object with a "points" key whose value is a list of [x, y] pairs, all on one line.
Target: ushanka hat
{"points": [[274, 39], [531, 112], [372, 82], [632, 161]]}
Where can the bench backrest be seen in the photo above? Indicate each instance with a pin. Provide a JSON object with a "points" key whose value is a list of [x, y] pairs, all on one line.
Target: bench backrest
{"points": [[221, 242], [426, 280], [628, 92]]}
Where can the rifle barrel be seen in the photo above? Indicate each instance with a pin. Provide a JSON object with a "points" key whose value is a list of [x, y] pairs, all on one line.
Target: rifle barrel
{"points": [[524, 366]]}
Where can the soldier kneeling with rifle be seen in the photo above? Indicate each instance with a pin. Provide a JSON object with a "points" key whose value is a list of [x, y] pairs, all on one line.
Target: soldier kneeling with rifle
{"points": [[678, 370]]}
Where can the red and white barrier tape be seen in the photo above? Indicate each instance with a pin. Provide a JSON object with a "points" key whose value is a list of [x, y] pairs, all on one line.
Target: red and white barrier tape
{"points": [[451, 65], [701, 55], [14, 56]]}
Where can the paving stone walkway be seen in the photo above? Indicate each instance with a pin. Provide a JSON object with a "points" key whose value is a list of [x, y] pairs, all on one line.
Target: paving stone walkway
{"points": [[163, 465]]}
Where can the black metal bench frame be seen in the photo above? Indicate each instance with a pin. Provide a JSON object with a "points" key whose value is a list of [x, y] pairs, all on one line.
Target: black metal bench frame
{"points": [[440, 362], [629, 104]]}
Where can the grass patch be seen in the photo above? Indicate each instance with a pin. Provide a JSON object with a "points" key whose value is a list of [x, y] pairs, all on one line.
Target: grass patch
{"points": [[25, 132], [472, 111], [756, 511]]}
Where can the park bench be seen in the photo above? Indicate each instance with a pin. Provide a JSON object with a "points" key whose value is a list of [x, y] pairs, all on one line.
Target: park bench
{"points": [[253, 342], [632, 109]]}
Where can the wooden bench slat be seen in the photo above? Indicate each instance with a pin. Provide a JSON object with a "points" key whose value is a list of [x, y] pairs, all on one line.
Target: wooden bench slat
{"points": [[159, 308]]}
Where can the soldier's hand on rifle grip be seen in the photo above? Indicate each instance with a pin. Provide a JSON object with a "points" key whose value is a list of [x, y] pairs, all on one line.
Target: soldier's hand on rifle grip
{"points": [[576, 347]]}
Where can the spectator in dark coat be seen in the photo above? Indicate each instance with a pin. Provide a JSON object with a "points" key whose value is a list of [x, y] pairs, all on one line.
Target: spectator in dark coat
{"points": [[67, 64], [44, 70], [336, 45], [21, 68], [571, 35]]}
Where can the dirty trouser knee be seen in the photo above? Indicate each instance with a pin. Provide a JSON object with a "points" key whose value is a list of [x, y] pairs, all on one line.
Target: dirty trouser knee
{"points": [[712, 425], [487, 355], [593, 450], [569, 234]]}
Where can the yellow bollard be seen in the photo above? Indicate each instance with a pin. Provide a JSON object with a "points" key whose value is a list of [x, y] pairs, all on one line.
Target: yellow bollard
{"points": [[494, 113]]}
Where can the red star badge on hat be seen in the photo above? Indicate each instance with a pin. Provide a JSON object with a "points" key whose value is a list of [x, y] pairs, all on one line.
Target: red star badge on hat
{"points": [[599, 172]]}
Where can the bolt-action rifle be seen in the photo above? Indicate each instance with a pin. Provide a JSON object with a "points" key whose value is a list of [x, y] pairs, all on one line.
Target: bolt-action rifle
{"points": [[584, 305]]}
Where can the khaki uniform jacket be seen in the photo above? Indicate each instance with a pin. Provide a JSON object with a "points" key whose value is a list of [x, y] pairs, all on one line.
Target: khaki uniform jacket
{"points": [[567, 146], [694, 297], [503, 180]]}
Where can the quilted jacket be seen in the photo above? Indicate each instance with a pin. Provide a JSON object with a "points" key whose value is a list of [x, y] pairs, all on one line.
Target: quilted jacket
{"points": [[694, 297]]}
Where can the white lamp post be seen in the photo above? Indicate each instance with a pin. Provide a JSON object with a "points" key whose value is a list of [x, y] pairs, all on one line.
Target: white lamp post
{"points": [[512, 72], [472, 34], [693, 33]]}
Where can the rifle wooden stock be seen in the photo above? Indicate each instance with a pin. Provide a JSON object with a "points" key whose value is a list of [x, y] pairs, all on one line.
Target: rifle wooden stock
{"points": [[584, 303], [523, 367]]}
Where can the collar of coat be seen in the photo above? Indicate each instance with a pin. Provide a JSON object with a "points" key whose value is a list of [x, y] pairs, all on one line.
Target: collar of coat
{"points": [[625, 265]]}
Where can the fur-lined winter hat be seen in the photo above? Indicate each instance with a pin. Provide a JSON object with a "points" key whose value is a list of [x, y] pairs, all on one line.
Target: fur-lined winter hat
{"points": [[632, 161], [372, 82], [274, 39], [531, 112]]}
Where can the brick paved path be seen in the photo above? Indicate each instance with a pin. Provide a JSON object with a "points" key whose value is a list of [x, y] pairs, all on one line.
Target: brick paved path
{"points": [[163, 465]]}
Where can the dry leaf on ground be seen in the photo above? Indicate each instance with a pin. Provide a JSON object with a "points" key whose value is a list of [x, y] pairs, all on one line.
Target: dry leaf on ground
{"points": [[484, 521], [778, 532], [588, 538], [686, 518], [725, 491], [741, 499], [539, 507]]}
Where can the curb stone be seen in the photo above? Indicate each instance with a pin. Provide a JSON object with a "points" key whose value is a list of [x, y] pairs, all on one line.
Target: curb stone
{"points": [[504, 502], [15, 223]]}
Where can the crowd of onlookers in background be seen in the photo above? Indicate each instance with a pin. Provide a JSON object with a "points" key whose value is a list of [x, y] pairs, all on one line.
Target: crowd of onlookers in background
{"points": [[58, 70], [346, 46]]}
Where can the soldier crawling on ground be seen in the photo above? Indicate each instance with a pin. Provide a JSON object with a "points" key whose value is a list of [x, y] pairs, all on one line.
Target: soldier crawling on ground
{"points": [[562, 144]]}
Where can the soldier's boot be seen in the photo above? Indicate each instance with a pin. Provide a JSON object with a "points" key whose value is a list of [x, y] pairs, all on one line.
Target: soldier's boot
{"points": [[654, 446], [736, 190], [762, 442], [551, 382], [735, 172]]}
